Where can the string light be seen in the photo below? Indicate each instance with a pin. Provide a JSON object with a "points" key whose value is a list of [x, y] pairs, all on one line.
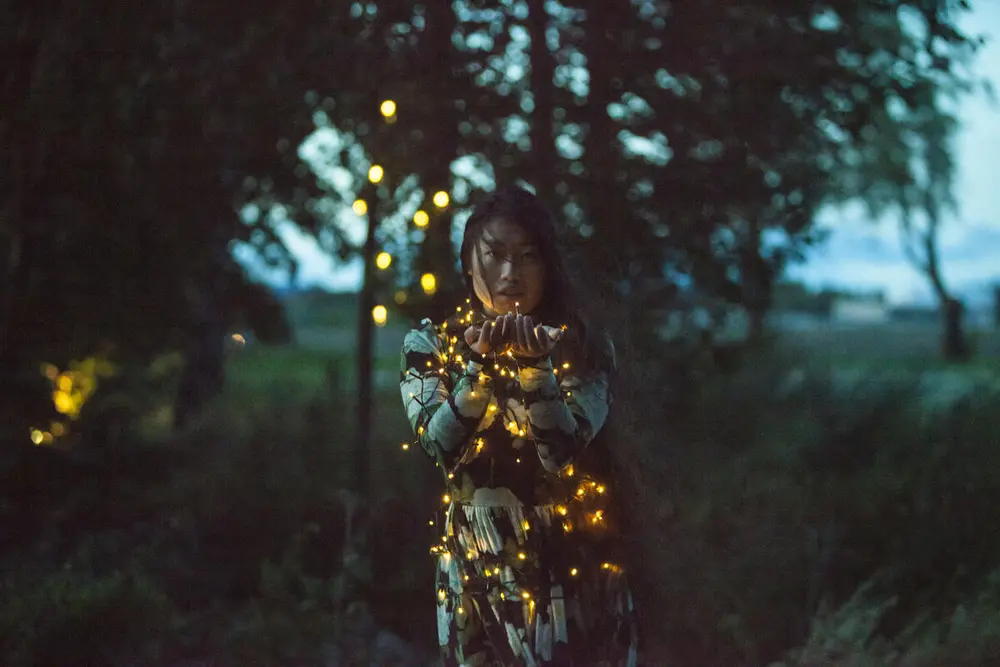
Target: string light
{"points": [[584, 511], [388, 108], [383, 260], [376, 173], [360, 206], [441, 199], [421, 219], [380, 315], [428, 282]]}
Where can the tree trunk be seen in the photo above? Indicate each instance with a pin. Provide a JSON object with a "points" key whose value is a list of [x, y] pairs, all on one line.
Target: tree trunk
{"points": [[606, 208], [366, 333], [543, 143], [436, 253], [954, 343], [996, 307]]}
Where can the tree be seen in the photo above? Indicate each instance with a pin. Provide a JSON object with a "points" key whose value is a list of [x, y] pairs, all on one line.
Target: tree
{"points": [[906, 165]]}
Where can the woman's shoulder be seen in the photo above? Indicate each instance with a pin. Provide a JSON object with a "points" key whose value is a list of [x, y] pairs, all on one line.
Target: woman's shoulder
{"points": [[425, 337]]}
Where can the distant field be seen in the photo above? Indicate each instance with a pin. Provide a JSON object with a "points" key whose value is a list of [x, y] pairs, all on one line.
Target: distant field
{"points": [[896, 343], [325, 324]]}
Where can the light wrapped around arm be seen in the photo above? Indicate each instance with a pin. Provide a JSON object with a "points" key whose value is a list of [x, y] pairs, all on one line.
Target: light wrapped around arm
{"points": [[443, 417], [565, 411]]}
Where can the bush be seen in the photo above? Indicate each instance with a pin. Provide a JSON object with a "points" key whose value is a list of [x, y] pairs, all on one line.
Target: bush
{"points": [[69, 618], [784, 486]]}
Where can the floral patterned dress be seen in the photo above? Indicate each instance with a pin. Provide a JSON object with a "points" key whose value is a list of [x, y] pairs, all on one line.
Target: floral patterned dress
{"points": [[528, 569]]}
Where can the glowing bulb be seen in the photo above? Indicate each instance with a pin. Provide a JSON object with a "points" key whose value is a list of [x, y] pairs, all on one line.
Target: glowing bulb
{"points": [[573, 572], [360, 206], [37, 436], [420, 219], [388, 108], [406, 446], [441, 199], [383, 260], [380, 315], [522, 556], [376, 173], [446, 498], [526, 595], [428, 282]]}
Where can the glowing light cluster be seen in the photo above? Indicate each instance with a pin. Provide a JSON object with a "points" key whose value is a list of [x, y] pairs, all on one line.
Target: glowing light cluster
{"points": [[584, 510]]}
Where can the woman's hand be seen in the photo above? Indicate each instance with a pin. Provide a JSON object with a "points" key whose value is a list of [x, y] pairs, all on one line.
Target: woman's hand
{"points": [[531, 340], [489, 336]]}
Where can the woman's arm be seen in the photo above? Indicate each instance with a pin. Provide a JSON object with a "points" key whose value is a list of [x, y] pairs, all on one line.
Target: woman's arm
{"points": [[565, 411], [444, 419]]}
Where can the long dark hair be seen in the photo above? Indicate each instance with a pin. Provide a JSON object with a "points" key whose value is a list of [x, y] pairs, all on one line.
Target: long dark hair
{"points": [[560, 301]]}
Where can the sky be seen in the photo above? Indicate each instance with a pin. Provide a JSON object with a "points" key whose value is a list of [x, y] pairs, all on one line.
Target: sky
{"points": [[860, 253]]}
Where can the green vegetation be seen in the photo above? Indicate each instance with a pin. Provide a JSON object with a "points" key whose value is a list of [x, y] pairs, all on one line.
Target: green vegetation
{"points": [[787, 504]]}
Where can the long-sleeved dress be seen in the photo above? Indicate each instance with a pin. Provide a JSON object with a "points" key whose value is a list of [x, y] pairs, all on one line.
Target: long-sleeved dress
{"points": [[528, 570]]}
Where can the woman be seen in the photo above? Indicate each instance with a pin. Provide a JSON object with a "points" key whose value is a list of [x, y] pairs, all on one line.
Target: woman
{"points": [[506, 396]]}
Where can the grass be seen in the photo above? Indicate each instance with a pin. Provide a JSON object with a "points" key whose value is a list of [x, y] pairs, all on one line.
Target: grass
{"points": [[824, 503]]}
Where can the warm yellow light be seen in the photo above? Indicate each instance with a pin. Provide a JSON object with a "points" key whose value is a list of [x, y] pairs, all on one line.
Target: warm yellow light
{"points": [[383, 260], [37, 436], [63, 402], [388, 108], [522, 555], [441, 199], [58, 429], [526, 595], [406, 446], [429, 283], [420, 219], [400, 297], [360, 206], [573, 572], [376, 173], [380, 315], [446, 498]]}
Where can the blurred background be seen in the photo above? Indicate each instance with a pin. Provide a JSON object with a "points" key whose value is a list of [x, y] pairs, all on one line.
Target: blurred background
{"points": [[217, 222]]}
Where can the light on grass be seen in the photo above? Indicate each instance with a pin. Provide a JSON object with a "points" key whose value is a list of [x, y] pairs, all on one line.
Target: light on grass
{"points": [[428, 282], [441, 199], [380, 315], [388, 108], [420, 219], [360, 206], [383, 260]]}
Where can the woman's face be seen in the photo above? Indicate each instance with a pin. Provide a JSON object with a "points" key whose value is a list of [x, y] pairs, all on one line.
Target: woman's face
{"points": [[507, 269]]}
